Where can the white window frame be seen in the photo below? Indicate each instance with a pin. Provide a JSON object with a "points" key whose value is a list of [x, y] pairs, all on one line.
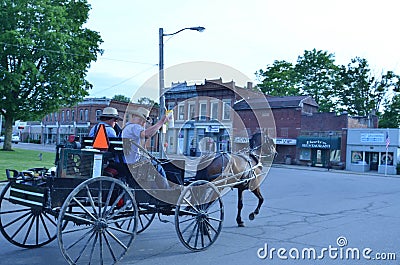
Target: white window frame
{"points": [[181, 112], [202, 116], [190, 106], [227, 102], [214, 116]]}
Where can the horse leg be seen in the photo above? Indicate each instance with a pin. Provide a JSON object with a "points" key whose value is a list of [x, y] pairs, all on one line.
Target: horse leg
{"points": [[257, 192], [240, 207]]}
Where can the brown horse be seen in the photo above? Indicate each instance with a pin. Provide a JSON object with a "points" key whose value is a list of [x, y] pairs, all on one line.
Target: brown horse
{"points": [[240, 170]]}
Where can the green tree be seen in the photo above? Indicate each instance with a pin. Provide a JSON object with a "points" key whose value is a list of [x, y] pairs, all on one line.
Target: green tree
{"points": [[278, 79], [121, 98], [316, 76], [391, 117], [147, 101], [45, 52], [359, 91]]}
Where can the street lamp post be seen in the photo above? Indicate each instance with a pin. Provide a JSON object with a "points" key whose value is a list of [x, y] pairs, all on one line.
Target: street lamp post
{"points": [[161, 79]]}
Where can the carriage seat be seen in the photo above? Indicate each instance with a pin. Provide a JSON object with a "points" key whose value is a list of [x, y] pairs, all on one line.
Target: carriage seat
{"points": [[174, 169]]}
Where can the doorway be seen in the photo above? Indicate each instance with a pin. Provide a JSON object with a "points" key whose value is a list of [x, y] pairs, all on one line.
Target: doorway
{"points": [[372, 158]]}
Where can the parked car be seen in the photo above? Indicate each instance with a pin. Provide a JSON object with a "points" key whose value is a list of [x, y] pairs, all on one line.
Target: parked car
{"points": [[14, 139]]}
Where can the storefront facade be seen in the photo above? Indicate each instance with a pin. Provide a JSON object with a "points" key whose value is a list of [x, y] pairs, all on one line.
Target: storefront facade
{"points": [[319, 151], [373, 150]]}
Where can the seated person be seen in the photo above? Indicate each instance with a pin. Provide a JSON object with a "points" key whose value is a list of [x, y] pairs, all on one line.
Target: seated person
{"points": [[109, 118], [135, 131]]}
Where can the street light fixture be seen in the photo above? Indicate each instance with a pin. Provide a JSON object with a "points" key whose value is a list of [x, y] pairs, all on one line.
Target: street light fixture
{"points": [[161, 78]]}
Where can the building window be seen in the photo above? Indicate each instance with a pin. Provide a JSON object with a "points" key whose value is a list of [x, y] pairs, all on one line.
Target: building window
{"points": [[171, 105], [203, 111], [62, 116], [81, 115], [191, 111], [86, 115], [305, 154], [73, 115], [284, 132], [214, 110], [68, 117], [356, 157], [98, 113], [181, 112], [226, 110], [389, 159], [55, 116]]}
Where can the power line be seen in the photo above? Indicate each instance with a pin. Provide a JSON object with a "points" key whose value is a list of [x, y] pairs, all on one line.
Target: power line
{"points": [[126, 80], [74, 54]]}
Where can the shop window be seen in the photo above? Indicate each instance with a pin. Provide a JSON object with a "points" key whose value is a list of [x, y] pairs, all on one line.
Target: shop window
{"points": [[356, 157], [389, 159], [305, 154]]}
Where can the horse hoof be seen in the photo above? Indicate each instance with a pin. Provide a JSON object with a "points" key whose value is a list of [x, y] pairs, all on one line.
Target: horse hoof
{"points": [[241, 224], [252, 216]]}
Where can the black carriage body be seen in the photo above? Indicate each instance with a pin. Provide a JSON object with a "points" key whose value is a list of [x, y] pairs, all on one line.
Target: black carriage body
{"points": [[80, 195]]}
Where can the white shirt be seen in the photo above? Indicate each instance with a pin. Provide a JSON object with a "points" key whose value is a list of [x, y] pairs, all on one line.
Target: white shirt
{"points": [[132, 131]]}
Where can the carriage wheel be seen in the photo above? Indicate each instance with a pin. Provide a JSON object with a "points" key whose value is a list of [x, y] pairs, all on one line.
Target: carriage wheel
{"points": [[24, 226], [145, 218], [199, 214], [102, 223]]}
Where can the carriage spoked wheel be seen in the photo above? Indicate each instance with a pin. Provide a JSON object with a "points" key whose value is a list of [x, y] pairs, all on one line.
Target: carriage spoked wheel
{"points": [[102, 223], [199, 214], [146, 217], [25, 226]]}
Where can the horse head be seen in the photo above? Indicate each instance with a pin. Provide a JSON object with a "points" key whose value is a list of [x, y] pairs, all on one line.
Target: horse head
{"points": [[262, 145]]}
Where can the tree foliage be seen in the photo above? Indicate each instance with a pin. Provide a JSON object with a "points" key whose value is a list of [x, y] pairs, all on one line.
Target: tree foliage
{"points": [[352, 88], [316, 73], [391, 117], [147, 101], [121, 98], [44, 55], [279, 79]]}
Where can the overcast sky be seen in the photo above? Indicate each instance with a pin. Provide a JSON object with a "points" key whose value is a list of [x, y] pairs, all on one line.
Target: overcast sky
{"points": [[245, 35]]}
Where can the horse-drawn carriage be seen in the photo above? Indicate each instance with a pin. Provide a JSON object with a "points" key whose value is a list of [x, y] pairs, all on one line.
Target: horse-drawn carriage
{"points": [[94, 215]]}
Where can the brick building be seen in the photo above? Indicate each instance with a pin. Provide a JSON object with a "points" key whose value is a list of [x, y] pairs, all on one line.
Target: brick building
{"points": [[77, 120]]}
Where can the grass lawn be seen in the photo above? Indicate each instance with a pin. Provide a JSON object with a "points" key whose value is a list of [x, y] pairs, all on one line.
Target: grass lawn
{"points": [[20, 159]]}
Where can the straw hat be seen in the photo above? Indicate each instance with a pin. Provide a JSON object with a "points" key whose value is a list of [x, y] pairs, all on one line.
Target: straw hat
{"points": [[140, 112], [110, 112]]}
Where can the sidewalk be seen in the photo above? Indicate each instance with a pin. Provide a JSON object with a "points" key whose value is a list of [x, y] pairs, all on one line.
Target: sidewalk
{"points": [[339, 171]]}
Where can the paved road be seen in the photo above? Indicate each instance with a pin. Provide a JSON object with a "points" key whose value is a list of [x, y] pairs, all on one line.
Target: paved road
{"points": [[305, 211]]}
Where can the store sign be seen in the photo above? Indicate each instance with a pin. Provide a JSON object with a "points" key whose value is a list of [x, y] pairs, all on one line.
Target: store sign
{"points": [[241, 140], [318, 144], [213, 129], [372, 138], [282, 141]]}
